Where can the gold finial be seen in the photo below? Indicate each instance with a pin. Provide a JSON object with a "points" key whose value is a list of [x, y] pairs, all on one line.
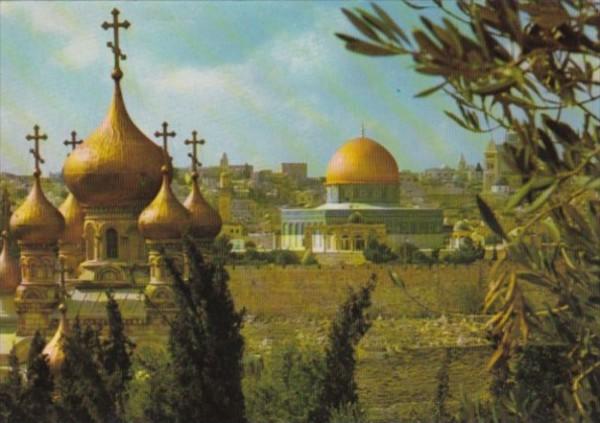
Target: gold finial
{"points": [[117, 74], [362, 129], [165, 136], [36, 137], [73, 142], [195, 142]]}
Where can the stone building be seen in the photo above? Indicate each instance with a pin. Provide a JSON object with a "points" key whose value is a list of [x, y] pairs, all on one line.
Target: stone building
{"points": [[362, 185]]}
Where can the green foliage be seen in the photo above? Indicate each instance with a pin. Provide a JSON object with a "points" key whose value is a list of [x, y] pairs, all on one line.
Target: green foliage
{"points": [[287, 389], [36, 398], [467, 253], [205, 345], [221, 248], [349, 326], [11, 391], [440, 413], [523, 66], [377, 252]]}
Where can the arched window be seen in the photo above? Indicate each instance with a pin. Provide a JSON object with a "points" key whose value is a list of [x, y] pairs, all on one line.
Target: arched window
{"points": [[112, 244], [359, 243]]}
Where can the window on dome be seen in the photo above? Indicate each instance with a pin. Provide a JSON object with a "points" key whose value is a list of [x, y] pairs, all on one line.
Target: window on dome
{"points": [[112, 244]]}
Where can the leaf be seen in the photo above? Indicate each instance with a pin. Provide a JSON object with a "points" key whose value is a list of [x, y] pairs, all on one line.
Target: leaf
{"points": [[391, 24], [431, 90], [541, 199], [537, 182], [562, 131], [360, 25], [490, 218], [397, 280], [365, 48], [494, 88], [428, 46], [456, 119]]}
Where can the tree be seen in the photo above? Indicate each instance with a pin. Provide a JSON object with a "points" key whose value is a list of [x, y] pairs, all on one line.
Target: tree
{"points": [[206, 345], [36, 400], [377, 252], [529, 69], [117, 351], [351, 323], [11, 391]]}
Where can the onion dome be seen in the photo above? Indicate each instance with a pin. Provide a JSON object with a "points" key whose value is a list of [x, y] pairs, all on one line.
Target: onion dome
{"points": [[117, 165], [55, 350], [37, 221], [205, 222], [165, 217], [10, 273], [362, 161], [74, 217]]}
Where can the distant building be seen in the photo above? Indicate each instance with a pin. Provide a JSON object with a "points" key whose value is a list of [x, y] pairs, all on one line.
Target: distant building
{"points": [[298, 172], [498, 177], [362, 184]]}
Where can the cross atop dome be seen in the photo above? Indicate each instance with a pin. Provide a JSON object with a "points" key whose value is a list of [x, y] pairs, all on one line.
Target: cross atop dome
{"points": [[73, 142], [35, 152], [195, 142], [114, 45]]}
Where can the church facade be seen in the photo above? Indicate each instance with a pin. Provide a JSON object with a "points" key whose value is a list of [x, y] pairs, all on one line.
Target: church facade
{"points": [[362, 184]]}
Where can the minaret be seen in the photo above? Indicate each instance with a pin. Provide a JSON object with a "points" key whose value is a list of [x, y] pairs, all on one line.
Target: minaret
{"points": [[225, 194], [71, 242], [37, 225], [163, 224], [205, 222]]}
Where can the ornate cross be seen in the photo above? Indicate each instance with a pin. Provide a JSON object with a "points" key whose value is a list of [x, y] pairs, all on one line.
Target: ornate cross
{"points": [[74, 142], [36, 137], [114, 45], [165, 136], [362, 130], [195, 142]]}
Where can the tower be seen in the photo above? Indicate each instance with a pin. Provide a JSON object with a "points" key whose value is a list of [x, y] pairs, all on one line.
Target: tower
{"points": [[225, 195], [37, 225], [205, 222], [491, 167], [114, 174], [71, 241], [163, 223]]}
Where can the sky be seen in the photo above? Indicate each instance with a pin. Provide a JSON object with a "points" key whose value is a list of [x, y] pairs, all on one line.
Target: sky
{"points": [[265, 82]]}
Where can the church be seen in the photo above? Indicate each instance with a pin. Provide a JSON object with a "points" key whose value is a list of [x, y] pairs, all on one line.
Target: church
{"points": [[114, 230], [362, 184]]}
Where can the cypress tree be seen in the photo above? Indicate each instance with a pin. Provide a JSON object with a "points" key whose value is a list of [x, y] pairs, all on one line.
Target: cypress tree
{"points": [[116, 355], [36, 400], [351, 323], [11, 392], [206, 345]]}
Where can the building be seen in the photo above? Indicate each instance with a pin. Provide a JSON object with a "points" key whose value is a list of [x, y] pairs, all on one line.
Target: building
{"points": [[297, 172], [498, 177], [362, 185], [115, 230]]}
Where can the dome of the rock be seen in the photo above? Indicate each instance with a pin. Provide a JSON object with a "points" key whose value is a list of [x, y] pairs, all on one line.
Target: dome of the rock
{"points": [[362, 161]]}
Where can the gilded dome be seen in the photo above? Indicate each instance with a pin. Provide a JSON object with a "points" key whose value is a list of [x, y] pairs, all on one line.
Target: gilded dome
{"points": [[117, 165], [205, 222], [362, 161], [74, 217], [10, 273], [165, 217], [54, 350], [37, 220]]}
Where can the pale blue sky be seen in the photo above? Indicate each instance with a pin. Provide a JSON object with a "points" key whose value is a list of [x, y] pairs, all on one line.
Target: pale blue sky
{"points": [[265, 82]]}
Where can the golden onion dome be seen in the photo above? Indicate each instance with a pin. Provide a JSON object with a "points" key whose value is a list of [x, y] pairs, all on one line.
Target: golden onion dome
{"points": [[55, 350], [74, 218], [117, 165], [10, 273], [37, 221], [362, 161], [165, 217], [205, 222]]}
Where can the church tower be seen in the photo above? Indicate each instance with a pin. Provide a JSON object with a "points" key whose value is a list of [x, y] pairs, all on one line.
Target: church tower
{"points": [[37, 225], [491, 166], [205, 223], [114, 174]]}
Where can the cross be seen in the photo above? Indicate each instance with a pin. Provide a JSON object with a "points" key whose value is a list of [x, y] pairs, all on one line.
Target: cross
{"points": [[74, 142], [165, 136], [114, 45], [362, 130], [195, 142], [36, 150]]}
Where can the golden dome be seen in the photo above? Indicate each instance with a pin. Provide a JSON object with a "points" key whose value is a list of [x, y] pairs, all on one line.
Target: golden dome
{"points": [[362, 161], [205, 222], [74, 217], [55, 350], [117, 165], [10, 273], [37, 220], [165, 217]]}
